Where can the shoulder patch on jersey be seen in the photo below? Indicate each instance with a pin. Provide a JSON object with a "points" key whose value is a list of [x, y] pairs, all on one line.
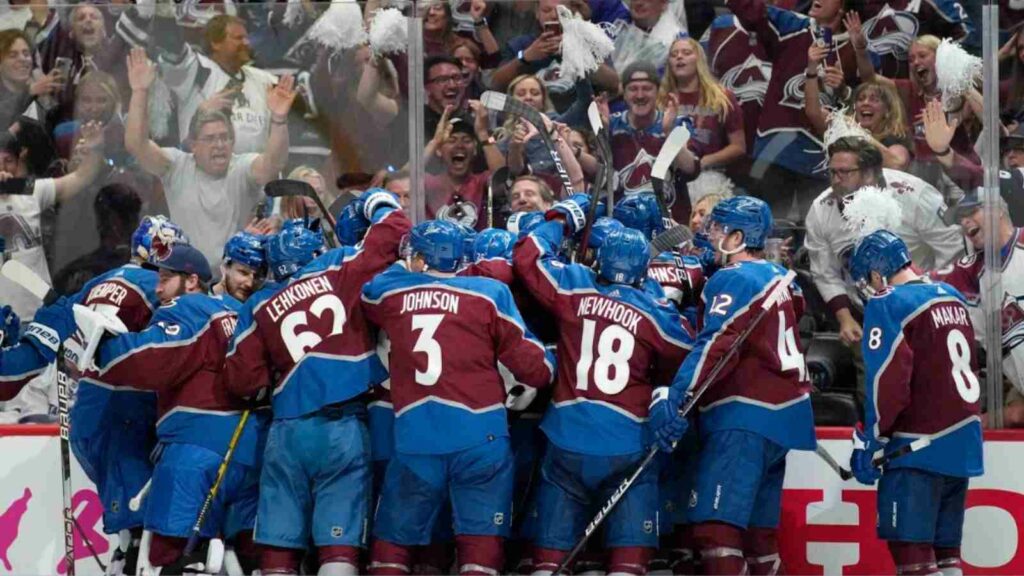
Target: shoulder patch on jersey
{"points": [[169, 328]]}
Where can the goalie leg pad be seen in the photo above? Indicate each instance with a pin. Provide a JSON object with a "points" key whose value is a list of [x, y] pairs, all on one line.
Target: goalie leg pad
{"points": [[761, 546], [483, 555], [913, 558], [721, 548]]}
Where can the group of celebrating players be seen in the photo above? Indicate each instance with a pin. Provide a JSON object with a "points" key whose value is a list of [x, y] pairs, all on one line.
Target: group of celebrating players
{"points": [[421, 385]]}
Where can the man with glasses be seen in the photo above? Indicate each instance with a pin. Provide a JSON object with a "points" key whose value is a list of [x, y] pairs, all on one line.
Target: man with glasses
{"points": [[212, 190], [854, 164], [446, 86]]}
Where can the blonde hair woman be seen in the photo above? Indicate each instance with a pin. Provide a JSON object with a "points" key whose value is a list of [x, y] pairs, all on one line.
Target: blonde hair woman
{"points": [[689, 90], [297, 206]]}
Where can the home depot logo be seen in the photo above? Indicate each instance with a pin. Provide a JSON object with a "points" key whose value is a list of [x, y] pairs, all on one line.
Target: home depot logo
{"points": [[89, 513]]}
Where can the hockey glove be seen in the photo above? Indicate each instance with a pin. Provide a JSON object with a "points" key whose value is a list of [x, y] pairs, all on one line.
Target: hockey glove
{"points": [[573, 210], [861, 465], [351, 224], [10, 326], [376, 198], [52, 325], [663, 420]]}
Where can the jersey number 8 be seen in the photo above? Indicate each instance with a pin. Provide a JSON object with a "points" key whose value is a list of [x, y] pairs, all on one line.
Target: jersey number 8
{"points": [[614, 350]]}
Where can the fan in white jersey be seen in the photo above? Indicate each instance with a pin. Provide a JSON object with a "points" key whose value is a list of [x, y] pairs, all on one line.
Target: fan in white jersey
{"points": [[854, 164]]}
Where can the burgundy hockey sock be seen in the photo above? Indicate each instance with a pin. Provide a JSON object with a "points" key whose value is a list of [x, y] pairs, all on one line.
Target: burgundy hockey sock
{"points": [[274, 560], [721, 548], [761, 545], [912, 558], [165, 550], [661, 561], [483, 555], [346, 554], [629, 560], [388, 558], [547, 559], [434, 558], [247, 550], [948, 560], [684, 548]]}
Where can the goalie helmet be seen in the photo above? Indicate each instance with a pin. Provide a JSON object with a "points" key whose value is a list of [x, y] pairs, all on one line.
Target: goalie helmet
{"points": [[440, 243], [750, 215], [623, 257], [246, 249], [292, 248], [154, 237]]}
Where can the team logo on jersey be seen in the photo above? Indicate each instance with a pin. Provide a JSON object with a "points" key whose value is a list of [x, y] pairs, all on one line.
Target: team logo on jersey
{"points": [[749, 80], [891, 32], [636, 176], [793, 95], [461, 212], [1013, 322], [499, 519], [169, 329]]}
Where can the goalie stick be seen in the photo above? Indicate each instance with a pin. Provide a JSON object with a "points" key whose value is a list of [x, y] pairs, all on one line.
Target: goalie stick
{"points": [[670, 148], [24, 276], [285, 188], [501, 103], [846, 474], [774, 296]]}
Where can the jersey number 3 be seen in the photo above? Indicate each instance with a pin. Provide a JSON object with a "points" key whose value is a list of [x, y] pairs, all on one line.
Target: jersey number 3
{"points": [[427, 324], [300, 341]]}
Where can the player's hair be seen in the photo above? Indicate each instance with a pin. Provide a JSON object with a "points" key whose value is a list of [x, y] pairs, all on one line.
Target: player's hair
{"points": [[390, 177], [545, 191], [217, 28], [713, 95], [433, 61], [505, 132], [202, 118], [869, 158], [894, 121], [9, 37]]}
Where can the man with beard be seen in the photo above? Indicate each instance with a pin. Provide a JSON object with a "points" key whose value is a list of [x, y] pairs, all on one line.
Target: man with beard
{"points": [[212, 190], [853, 164], [638, 132], [243, 268]]}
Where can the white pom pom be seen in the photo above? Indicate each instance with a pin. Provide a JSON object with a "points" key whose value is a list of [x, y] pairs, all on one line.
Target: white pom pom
{"points": [[871, 209], [585, 46], [710, 182], [340, 27], [955, 71], [292, 12], [389, 32], [841, 125], [159, 109]]}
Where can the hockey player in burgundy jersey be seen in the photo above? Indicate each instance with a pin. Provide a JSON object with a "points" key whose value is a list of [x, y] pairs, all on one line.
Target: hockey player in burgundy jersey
{"points": [[181, 355], [113, 428], [449, 336], [616, 342], [920, 381], [755, 412], [309, 343]]}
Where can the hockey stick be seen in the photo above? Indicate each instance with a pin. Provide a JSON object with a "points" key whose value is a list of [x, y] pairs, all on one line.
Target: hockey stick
{"points": [[604, 153], [136, 502], [846, 474], [669, 239], [774, 296], [285, 188], [502, 103], [193, 539], [24, 276], [675, 142], [497, 179]]}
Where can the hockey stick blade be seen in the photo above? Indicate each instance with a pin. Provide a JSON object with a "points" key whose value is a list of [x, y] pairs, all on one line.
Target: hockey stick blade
{"points": [[671, 238], [594, 115], [502, 103], [669, 150], [284, 188], [25, 277]]}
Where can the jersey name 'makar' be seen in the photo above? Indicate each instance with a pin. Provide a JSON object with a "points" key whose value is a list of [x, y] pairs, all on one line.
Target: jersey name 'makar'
{"points": [[434, 300], [610, 309], [111, 291], [946, 315], [296, 293]]}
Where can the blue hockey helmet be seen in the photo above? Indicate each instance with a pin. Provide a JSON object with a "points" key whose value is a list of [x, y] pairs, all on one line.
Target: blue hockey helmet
{"points": [[640, 212], [351, 225], [750, 215], [247, 249], [602, 227], [154, 237], [522, 223], [882, 252], [441, 244], [468, 238], [292, 248], [493, 243], [623, 257]]}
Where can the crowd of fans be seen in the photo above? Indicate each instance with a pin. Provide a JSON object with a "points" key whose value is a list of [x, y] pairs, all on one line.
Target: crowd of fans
{"points": [[116, 110]]}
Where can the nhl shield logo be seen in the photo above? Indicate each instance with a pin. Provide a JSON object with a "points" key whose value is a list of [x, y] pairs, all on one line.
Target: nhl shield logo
{"points": [[693, 499], [336, 531], [499, 519], [648, 526]]}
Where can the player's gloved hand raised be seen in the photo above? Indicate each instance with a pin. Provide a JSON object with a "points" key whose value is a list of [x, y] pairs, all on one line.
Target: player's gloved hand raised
{"points": [[573, 209], [861, 465], [51, 326], [351, 225], [663, 420], [10, 326], [376, 198]]}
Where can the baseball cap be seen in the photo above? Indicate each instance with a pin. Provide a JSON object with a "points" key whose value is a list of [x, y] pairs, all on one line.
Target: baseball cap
{"points": [[463, 124], [640, 71], [1013, 140], [184, 259]]}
